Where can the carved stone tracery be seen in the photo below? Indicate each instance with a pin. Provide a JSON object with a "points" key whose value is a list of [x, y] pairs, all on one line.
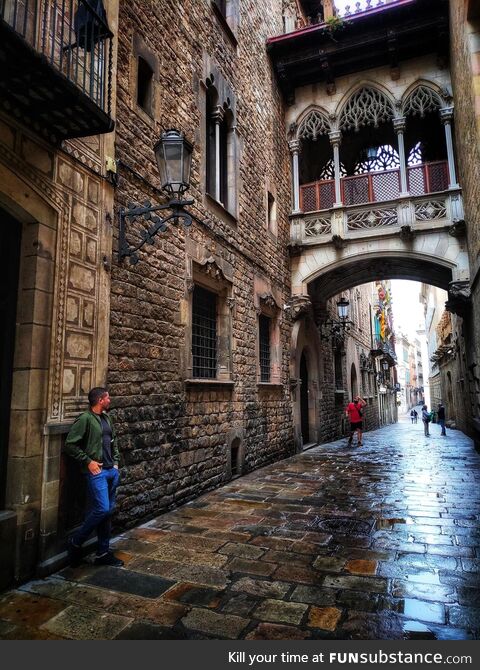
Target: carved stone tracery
{"points": [[367, 107], [313, 126]]}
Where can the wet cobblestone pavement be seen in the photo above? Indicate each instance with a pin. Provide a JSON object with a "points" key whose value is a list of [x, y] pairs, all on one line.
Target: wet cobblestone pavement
{"points": [[377, 542]]}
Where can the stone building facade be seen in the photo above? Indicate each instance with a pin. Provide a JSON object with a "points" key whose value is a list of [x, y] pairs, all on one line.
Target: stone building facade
{"points": [[56, 220], [182, 429], [465, 64]]}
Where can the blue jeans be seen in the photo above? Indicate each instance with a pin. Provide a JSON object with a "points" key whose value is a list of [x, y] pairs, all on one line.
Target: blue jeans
{"points": [[441, 423], [101, 490]]}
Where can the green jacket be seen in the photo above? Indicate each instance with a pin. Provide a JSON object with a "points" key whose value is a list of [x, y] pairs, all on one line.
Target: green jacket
{"points": [[84, 440]]}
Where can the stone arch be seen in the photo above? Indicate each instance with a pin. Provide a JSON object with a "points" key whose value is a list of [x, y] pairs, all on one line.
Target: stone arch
{"points": [[364, 104], [312, 123], [434, 259], [305, 341]]}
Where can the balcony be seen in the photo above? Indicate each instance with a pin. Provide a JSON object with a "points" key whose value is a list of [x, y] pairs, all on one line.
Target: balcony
{"points": [[372, 203], [375, 186], [56, 66]]}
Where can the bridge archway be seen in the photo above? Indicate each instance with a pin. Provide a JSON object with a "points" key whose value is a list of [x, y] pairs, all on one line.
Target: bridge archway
{"points": [[324, 271]]}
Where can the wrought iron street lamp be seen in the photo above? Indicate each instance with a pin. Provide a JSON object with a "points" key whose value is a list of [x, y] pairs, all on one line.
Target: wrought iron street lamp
{"points": [[333, 329], [174, 157]]}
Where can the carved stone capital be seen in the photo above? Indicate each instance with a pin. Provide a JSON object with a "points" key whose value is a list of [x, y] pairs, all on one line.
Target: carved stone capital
{"points": [[294, 146], [298, 306], [446, 115], [218, 114], [399, 124], [335, 138]]}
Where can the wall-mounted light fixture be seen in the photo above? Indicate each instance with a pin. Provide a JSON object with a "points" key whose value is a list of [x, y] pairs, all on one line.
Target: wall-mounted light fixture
{"points": [[174, 158], [335, 329]]}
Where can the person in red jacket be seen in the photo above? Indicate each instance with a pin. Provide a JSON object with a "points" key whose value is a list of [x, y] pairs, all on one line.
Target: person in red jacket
{"points": [[354, 412]]}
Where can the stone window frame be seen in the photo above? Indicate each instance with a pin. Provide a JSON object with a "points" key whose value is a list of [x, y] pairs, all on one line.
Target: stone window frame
{"points": [[217, 98], [209, 275], [228, 15], [266, 305], [140, 50]]}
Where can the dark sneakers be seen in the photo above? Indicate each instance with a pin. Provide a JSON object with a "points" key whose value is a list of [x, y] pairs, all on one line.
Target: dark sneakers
{"points": [[108, 559], [74, 554]]}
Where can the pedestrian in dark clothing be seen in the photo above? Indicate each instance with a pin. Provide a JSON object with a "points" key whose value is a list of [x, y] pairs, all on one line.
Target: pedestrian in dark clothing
{"points": [[412, 415], [441, 418], [91, 442]]}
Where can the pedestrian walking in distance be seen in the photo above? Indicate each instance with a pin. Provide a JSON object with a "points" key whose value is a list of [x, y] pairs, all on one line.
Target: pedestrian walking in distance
{"points": [[354, 412], [426, 418], [91, 442], [413, 415], [441, 418]]}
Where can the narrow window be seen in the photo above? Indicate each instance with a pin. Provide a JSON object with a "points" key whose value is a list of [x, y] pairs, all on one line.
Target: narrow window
{"points": [[272, 213], [144, 85], [223, 195], [210, 137], [204, 333], [264, 333]]}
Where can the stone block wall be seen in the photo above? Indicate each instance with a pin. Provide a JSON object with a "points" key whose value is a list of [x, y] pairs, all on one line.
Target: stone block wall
{"points": [[176, 434], [465, 66]]}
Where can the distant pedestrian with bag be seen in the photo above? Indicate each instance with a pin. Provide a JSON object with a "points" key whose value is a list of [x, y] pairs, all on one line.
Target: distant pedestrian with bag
{"points": [[441, 418], [426, 418], [412, 415], [354, 412]]}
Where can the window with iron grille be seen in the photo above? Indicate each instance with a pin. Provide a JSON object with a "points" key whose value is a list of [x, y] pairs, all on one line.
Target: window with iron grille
{"points": [[204, 333], [264, 332]]}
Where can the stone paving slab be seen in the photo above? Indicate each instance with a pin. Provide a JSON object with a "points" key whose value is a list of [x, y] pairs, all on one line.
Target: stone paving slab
{"points": [[381, 542]]}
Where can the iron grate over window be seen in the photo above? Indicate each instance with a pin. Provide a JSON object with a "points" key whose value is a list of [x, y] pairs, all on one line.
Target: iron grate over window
{"points": [[204, 333], [264, 329]]}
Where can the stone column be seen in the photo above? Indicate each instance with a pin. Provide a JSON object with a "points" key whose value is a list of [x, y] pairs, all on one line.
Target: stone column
{"points": [[399, 127], [335, 140], [294, 146], [218, 115], [446, 116]]}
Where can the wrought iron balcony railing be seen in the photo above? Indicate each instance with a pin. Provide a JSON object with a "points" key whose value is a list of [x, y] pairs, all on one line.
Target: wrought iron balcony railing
{"points": [[71, 37], [375, 186]]}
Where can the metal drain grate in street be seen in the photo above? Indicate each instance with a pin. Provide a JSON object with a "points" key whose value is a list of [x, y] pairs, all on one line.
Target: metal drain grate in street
{"points": [[343, 526]]}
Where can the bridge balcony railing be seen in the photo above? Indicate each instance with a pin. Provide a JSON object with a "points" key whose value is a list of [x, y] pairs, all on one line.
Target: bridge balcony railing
{"points": [[375, 186], [373, 204]]}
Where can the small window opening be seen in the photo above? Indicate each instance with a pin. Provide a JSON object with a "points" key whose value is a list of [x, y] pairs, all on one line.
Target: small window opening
{"points": [[272, 212], [264, 328], [235, 453], [144, 85]]}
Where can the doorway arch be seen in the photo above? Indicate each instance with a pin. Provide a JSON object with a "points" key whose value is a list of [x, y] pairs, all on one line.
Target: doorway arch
{"points": [[305, 382]]}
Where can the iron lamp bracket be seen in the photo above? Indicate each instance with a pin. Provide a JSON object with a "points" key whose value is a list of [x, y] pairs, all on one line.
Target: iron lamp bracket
{"points": [[158, 224]]}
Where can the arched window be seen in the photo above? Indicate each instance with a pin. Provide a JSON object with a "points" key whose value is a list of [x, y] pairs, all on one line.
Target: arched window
{"points": [[421, 101], [220, 150]]}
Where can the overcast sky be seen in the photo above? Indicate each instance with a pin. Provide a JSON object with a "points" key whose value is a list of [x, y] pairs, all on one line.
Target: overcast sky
{"points": [[407, 310]]}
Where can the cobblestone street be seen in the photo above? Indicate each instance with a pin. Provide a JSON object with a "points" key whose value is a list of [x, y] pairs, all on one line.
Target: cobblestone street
{"points": [[377, 542]]}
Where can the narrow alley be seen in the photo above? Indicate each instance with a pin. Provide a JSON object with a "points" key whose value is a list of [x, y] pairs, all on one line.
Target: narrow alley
{"points": [[376, 542]]}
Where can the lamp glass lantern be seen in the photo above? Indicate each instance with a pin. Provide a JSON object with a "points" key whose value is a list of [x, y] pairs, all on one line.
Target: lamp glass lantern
{"points": [[174, 158], [342, 308], [385, 365]]}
